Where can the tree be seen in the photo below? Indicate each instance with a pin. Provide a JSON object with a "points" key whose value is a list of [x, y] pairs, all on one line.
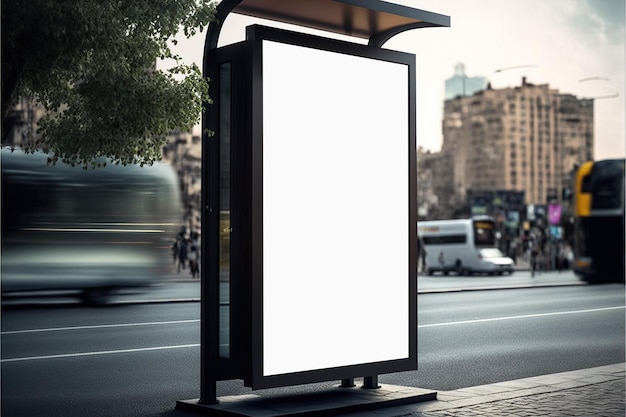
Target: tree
{"points": [[91, 63]]}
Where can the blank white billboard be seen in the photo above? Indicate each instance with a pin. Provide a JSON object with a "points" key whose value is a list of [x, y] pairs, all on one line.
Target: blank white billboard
{"points": [[335, 209]]}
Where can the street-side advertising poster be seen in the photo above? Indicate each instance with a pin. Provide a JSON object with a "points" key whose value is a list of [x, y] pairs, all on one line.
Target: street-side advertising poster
{"points": [[512, 219], [554, 214], [555, 232], [329, 244], [478, 210], [530, 212], [540, 215], [479, 201]]}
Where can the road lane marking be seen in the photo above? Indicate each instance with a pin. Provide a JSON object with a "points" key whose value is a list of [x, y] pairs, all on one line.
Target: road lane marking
{"points": [[155, 348], [525, 316], [159, 323], [99, 326], [104, 352]]}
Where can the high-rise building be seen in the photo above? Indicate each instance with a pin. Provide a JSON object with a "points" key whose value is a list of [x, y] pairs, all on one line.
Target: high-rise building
{"points": [[23, 121], [435, 192], [462, 85], [527, 138]]}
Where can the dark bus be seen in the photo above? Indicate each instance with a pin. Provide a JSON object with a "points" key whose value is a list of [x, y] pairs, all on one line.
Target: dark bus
{"points": [[87, 233], [599, 221]]}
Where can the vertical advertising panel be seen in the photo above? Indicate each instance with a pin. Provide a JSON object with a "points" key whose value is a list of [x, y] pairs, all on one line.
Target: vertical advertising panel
{"points": [[338, 230]]}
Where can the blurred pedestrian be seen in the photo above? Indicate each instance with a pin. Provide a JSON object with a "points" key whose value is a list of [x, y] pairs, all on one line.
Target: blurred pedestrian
{"points": [[174, 251], [194, 260], [561, 261], [534, 258], [182, 253], [569, 256], [421, 255]]}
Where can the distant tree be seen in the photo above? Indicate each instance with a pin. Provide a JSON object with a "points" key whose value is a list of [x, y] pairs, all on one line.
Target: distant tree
{"points": [[91, 63]]}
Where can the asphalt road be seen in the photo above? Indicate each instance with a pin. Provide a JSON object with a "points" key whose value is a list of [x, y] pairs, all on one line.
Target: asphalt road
{"points": [[138, 359], [482, 337]]}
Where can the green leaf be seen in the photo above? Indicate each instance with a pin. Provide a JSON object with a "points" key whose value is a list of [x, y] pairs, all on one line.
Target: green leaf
{"points": [[91, 64]]}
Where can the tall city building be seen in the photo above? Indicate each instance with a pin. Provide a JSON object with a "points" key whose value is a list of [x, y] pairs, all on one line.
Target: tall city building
{"points": [[23, 119], [435, 191], [527, 138], [462, 85]]}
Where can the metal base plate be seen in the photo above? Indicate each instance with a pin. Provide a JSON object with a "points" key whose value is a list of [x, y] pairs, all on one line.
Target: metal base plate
{"points": [[330, 402]]}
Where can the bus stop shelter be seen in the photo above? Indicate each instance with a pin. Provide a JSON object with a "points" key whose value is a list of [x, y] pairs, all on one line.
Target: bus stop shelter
{"points": [[309, 196]]}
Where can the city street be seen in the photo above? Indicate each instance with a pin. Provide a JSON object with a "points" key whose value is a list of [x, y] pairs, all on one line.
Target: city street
{"points": [[288, 192], [138, 359]]}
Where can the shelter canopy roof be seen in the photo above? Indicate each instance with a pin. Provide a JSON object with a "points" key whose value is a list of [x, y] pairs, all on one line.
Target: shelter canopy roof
{"points": [[370, 19]]}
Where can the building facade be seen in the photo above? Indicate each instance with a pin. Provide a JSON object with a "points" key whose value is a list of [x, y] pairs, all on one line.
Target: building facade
{"points": [[435, 193], [527, 138], [184, 152], [23, 118]]}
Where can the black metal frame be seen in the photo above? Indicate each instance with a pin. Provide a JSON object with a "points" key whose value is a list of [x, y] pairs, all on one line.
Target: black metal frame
{"points": [[216, 368], [246, 332], [255, 35], [244, 362]]}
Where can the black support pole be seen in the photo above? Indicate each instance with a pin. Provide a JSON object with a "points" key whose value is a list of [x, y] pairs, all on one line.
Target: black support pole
{"points": [[370, 382], [347, 383]]}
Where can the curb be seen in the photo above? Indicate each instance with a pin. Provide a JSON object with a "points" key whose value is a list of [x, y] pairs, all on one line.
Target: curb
{"points": [[433, 291], [162, 301], [509, 287]]}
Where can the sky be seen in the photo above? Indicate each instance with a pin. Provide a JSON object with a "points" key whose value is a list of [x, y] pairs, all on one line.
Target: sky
{"points": [[555, 42]]}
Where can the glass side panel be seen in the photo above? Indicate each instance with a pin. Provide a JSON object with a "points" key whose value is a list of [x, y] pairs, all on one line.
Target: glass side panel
{"points": [[224, 207]]}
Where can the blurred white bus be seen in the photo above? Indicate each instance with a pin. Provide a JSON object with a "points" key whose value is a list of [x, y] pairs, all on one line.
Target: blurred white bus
{"points": [[462, 246], [85, 232]]}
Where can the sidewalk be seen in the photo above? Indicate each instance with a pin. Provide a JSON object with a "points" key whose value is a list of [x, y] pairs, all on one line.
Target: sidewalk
{"points": [[597, 392], [589, 392]]}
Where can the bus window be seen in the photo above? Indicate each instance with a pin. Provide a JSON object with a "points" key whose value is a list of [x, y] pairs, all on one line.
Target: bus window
{"points": [[484, 234], [445, 240]]}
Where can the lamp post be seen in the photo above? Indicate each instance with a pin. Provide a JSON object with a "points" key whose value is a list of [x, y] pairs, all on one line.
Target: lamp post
{"points": [[597, 78], [614, 95], [582, 80], [514, 67]]}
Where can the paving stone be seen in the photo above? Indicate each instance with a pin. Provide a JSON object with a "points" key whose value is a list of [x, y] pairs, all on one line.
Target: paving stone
{"points": [[597, 392], [603, 399]]}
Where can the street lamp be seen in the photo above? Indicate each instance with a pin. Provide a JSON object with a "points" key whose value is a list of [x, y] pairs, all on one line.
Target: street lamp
{"points": [[582, 80], [514, 67], [596, 78], [616, 94]]}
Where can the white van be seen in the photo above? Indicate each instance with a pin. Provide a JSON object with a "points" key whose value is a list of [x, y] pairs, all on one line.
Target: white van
{"points": [[463, 246]]}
